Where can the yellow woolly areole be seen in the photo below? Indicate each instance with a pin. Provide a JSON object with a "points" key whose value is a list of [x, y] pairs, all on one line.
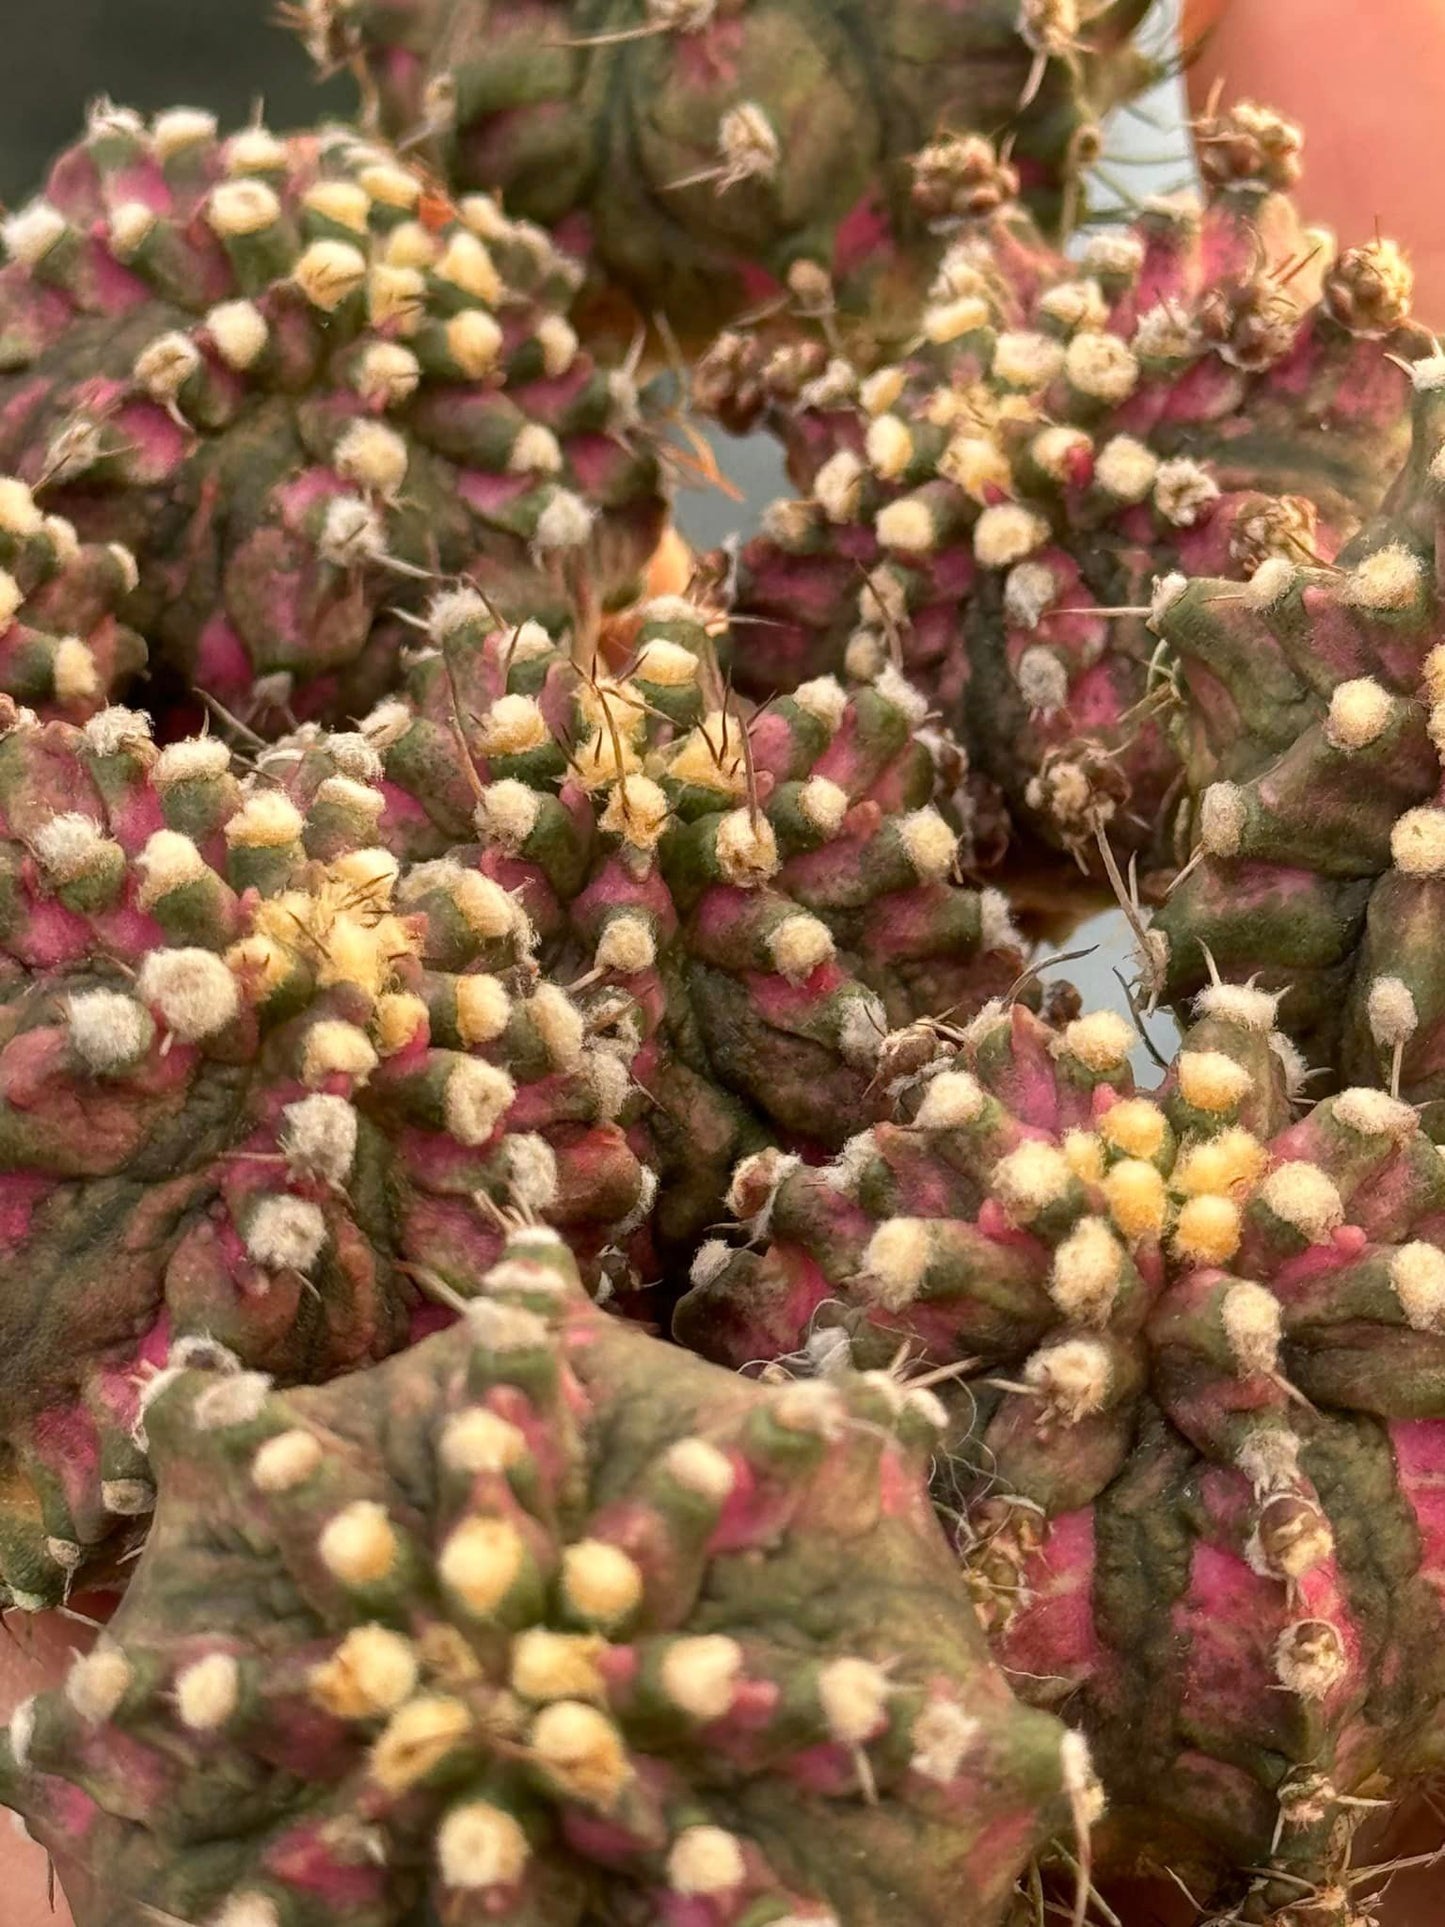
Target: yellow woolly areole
{"points": [[906, 525], [474, 342], [208, 1692], [1138, 1201], [1087, 1272], [467, 264], [1207, 1231], [242, 207], [948, 320], [1235, 1160], [929, 843], [546, 1665], [479, 1441], [1101, 367], [889, 446], [97, 1683], [879, 391], [701, 1468], [1026, 360], [838, 486], [1084, 1152], [701, 1675], [1136, 1126], [600, 1583], [666, 663], [418, 1737], [637, 811], [626, 945], [581, 1751], [705, 1860], [1212, 1081], [343, 202], [480, 1562], [1030, 1179], [373, 1671], [329, 273], [975, 465], [483, 1008], [854, 1695], [1006, 533], [1102, 1041], [399, 1015], [359, 1546], [286, 1461]]}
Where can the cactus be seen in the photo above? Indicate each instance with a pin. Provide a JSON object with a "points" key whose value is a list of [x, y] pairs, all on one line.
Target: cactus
{"points": [[997, 504], [262, 1088], [298, 385], [1193, 1350], [541, 1622], [708, 155], [763, 895], [1313, 705]]}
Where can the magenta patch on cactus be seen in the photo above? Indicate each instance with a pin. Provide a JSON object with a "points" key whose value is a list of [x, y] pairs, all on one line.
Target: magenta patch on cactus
{"points": [[489, 494], [20, 1193], [863, 234], [304, 1860]]}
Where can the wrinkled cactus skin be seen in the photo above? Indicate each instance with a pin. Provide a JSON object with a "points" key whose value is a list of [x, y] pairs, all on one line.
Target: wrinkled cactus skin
{"points": [[708, 155], [1194, 1345], [541, 1622], [298, 384]]}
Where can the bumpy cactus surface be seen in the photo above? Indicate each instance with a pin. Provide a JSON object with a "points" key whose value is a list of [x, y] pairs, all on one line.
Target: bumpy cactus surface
{"points": [[298, 384], [994, 507], [1315, 723], [758, 897], [542, 1623], [709, 154], [261, 1088], [1198, 1425]]}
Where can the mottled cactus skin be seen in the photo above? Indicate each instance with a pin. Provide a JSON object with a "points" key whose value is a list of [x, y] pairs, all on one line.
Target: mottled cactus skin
{"points": [[541, 1622], [1313, 705], [63, 649], [711, 155], [261, 1088], [760, 910], [1195, 1350], [1067, 431], [299, 385]]}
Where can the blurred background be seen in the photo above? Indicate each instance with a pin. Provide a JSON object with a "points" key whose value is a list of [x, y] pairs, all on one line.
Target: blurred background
{"points": [[235, 58]]}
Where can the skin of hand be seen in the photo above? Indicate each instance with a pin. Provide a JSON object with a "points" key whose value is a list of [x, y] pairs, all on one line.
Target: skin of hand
{"points": [[1365, 81]]}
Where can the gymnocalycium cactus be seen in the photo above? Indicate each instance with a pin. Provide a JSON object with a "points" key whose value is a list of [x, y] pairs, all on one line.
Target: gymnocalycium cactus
{"points": [[993, 508], [541, 1622], [262, 1087], [711, 154], [300, 386], [1197, 1428]]}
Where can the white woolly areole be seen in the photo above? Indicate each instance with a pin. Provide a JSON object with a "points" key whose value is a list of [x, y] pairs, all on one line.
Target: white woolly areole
{"points": [[701, 1468], [108, 1030], [862, 1026], [1042, 680], [710, 1260], [286, 1233], [1359, 711], [29, 235], [320, 1137], [825, 699], [1031, 1178], [929, 843], [626, 945], [480, 1847], [1184, 492], [896, 1261], [1101, 367], [824, 804], [1126, 468], [1270, 583], [165, 365], [1087, 1272], [1269, 1459], [1028, 594], [244, 207], [888, 445], [477, 1096], [854, 1695], [954, 1099], [286, 1461], [358, 1545], [22, 1731], [1252, 1325], [837, 487], [208, 1692], [198, 759], [1391, 1012], [18, 512], [246, 1910], [1080, 1780], [942, 1737], [1304, 1196], [565, 523], [701, 1675], [1253, 1010], [1417, 843], [798, 945], [894, 687], [705, 1860], [1388, 581], [1376, 1114], [97, 1683], [193, 991], [332, 1047], [372, 456], [536, 451], [1310, 1658], [1417, 1273], [1022, 359], [1006, 533], [1075, 1377], [1102, 1041], [906, 525], [267, 820], [11, 598], [746, 850], [532, 1171], [70, 846]]}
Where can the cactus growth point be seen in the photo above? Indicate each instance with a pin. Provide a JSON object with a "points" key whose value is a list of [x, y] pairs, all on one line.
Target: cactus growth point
{"points": [[1193, 1349], [262, 1087], [300, 386], [541, 1622]]}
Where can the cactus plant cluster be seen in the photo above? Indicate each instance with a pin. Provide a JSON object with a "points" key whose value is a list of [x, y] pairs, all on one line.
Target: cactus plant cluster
{"points": [[708, 155], [1191, 1345], [298, 383], [532, 994], [573, 1628], [996, 506]]}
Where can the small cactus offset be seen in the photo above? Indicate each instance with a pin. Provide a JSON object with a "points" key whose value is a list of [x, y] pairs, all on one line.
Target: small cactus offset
{"points": [[262, 1088], [996, 506], [763, 894], [1312, 719], [299, 385], [708, 155], [1192, 1349], [542, 1622]]}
